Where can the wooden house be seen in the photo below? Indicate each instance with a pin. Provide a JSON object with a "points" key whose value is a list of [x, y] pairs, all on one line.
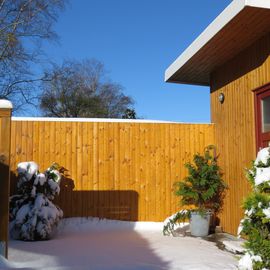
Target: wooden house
{"points": [[232, 57]]}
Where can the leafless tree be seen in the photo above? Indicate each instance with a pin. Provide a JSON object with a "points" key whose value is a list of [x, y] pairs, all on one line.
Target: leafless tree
{"points": [[81, 89], [24, 24]]}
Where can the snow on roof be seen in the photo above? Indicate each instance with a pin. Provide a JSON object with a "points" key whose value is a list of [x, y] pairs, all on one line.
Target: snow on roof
{"points": [[238, 26]]}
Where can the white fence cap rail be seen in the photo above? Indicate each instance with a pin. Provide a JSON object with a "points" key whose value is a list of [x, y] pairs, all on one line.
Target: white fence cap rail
{"points": [[98, 120]]}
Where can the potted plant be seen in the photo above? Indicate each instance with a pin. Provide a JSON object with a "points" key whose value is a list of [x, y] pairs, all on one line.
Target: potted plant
{"points": [[202, 191]]}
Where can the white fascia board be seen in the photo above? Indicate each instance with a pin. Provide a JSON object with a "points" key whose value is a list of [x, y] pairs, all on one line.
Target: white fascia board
{"points": [[225, 17], [5, 104], [258, 3]]}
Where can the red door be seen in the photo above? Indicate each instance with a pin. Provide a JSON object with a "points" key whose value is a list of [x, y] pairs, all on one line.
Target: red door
{"points": [[262, 112]]}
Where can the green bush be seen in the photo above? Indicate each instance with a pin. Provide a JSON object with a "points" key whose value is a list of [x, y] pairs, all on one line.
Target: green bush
{"points": [[203, 188], [255, 226]]}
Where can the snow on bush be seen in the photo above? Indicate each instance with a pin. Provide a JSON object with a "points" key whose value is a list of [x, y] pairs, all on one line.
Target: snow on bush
{"points": [[174, 221], [33, 216], [247, 260], [255, 226]]}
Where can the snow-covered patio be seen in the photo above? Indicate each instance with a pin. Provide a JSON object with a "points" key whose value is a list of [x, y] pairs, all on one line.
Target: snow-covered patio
{"points": [[92, 244]]}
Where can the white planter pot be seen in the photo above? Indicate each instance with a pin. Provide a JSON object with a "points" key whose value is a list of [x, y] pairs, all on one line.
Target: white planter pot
{"points": [[199, 223]]}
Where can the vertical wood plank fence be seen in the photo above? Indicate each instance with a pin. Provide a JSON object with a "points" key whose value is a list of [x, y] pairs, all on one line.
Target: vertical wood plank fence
{"points": [[120, 170]]}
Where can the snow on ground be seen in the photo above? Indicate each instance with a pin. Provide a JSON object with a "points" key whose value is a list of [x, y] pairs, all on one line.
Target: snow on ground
{"points": [[116, 245]]}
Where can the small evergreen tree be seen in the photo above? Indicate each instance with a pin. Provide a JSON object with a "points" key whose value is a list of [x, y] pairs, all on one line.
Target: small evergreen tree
{"points": [[255, 226], [129, 114], [203, 188], [33, 216]]}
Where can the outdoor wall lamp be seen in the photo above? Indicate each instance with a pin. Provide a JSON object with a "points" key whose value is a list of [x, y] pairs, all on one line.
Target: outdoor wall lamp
{"points": [[221, 98]]}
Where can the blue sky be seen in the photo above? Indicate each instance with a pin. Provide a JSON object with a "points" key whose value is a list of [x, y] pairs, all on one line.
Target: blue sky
{"points": [[137, 40]]}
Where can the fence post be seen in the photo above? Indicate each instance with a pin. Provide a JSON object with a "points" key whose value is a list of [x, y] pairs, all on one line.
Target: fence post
{"points": [[5, 129]]}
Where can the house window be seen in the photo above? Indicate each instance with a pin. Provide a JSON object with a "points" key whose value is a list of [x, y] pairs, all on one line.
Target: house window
{"points": [[262, 113], [265, 104]]}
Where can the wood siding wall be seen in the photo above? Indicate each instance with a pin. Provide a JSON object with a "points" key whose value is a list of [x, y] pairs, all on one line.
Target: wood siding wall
{"points": [[115, 170], [235, 121]]}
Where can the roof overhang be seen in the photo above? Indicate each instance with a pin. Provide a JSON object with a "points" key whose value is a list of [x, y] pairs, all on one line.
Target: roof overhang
{"points": [[237, 27]]}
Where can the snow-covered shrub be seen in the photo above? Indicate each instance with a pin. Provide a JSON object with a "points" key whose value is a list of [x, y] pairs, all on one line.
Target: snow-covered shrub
{"points": [[255, 226], [33, 216]]}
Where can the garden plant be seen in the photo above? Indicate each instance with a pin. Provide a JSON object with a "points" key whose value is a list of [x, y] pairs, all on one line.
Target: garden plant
{"points": [[201, 191], [255, 226], [33, 216]]}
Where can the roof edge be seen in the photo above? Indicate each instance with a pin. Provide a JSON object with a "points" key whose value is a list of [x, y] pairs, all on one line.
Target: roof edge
{"points": [[212, 29], [258, 3], [189, 82]]}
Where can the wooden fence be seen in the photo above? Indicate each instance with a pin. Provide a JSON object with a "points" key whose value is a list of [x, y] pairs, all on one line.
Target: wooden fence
{"points": [[5, 129], [119, 170]]}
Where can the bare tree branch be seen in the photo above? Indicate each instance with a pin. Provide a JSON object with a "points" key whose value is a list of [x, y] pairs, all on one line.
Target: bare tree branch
{"points": [[79, 89], [27, 81], [23, 22]]}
